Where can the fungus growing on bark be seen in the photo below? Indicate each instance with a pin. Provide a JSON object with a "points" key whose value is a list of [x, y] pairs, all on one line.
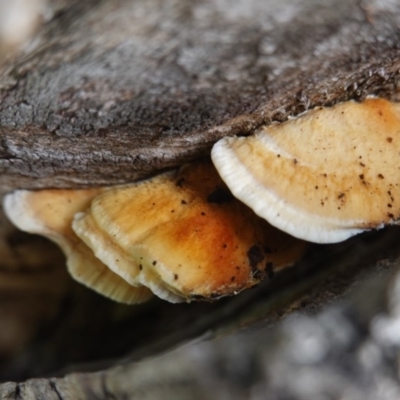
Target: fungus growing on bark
{"points": [[50, 213], [324, 176], [180, 235], [184, 236]]}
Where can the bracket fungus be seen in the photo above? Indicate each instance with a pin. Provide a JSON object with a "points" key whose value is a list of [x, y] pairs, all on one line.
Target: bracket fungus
{"points": [[324, 176], [180, 235], [50, 213], [183, 235]]}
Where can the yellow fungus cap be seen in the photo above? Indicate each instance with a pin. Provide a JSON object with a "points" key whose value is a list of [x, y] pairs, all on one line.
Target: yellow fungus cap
{"points": [[183, 235]]}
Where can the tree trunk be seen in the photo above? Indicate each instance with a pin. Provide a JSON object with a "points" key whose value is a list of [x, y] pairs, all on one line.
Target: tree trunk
{"points": [[109, 91]]}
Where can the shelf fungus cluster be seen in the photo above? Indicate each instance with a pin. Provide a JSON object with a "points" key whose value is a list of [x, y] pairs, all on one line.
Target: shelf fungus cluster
{"points": [[180, 235], [204, 233]]}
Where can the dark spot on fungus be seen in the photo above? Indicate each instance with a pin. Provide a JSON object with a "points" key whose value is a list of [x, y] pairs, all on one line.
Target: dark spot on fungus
{"points": [[180, 182], [362, 164], [257, 274], [220, 196], [203, 213], [154, 262], [224, 246], [341, 196], [183, 202], [255, 256], [389, 139], [295, 161], [390, 215], [233, 278], [140, 266], [361, 176], [380, 176], [176, 277], [389, 205]]}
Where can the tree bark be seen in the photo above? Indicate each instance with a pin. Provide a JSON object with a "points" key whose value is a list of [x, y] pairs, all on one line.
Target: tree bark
{"points": [[113, 90], [110, 91]]}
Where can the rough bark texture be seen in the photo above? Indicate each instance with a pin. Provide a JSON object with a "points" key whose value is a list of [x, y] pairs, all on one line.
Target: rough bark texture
{"points": [[113, 90]]}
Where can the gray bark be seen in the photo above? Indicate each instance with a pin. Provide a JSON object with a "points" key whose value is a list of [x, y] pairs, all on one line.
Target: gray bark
{"points": [[110, 91]]}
